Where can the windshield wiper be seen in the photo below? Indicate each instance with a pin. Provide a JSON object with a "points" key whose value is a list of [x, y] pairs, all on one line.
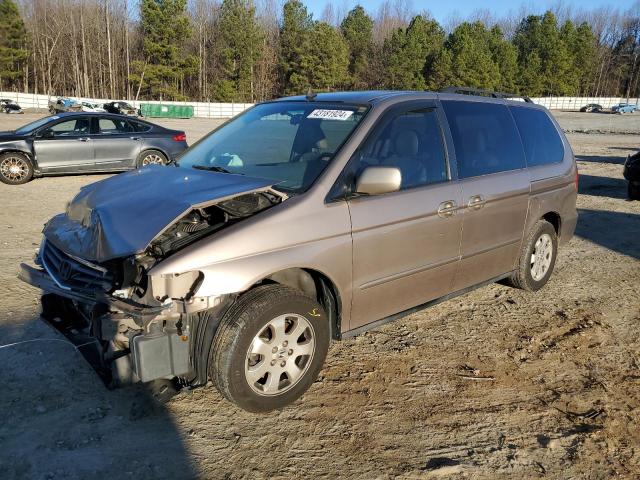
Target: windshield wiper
{"points": [[215, 168]]}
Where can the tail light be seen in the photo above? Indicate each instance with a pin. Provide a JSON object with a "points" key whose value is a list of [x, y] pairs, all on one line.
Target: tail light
{"points": [[180, 137]]}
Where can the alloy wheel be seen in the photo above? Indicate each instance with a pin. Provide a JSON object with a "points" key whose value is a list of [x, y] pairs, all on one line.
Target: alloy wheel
{"points": [[541, 257], [14, 169], [152, 159], [280, 354]]}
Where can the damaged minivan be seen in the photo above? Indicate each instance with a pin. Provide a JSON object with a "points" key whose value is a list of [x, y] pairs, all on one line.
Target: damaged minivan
{"points": [[303, 220]]}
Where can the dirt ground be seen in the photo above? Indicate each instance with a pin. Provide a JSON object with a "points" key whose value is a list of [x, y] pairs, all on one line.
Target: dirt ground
{"points": [[496, 384]]}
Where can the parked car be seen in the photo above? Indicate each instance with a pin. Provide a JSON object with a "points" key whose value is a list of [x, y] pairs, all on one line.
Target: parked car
{"points": [[84, 142], [303, 220], [122, 108], [92, 107], [592, 107], [632, 174], [9, 106], [60, 105], [624, 108]]}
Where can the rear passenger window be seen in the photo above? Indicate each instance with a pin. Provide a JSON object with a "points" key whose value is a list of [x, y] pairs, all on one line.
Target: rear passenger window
{"points": [[542, 144], [114, 126], [485, 138], [139, 126]]}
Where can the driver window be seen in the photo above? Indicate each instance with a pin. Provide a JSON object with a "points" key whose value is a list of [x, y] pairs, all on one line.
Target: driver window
{"points": [[412, 142], [71, 128]]}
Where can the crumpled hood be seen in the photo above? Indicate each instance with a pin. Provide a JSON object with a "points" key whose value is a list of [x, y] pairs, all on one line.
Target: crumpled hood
{"points": [[121, 215]]}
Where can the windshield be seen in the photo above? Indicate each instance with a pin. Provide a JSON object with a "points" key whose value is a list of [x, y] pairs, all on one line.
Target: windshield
{"points": [[288, 142], [30, 127]]}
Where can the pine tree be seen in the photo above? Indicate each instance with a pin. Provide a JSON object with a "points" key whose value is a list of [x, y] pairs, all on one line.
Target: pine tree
{"points": [[357, 29], [13, 45], [295, 43], [240, 37], [505, 55], [540, 35], [165, 27], [326, 67], [472, 63], [410, 54]]}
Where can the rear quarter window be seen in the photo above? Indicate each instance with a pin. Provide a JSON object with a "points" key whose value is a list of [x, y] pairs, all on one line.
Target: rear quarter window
{"points": [[542, 143], [485, 138]]}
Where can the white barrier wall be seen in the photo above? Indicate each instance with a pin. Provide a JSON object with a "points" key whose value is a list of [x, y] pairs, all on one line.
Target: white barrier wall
{"points": [[200, 109], [574, 103], [226, 110]]}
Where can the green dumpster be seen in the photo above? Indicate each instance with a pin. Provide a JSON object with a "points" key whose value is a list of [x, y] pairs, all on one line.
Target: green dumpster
{"points": [[159, 110]]}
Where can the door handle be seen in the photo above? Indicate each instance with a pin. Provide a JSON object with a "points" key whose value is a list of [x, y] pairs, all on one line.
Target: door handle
{"points": [[447, 209], [476, 202], [134, 138], [83, 139]]}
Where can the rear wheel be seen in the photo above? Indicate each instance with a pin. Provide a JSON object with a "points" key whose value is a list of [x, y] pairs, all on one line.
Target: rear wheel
{"points": [[151, 157], [537, 258], [633, 191], [15, 168], [269, 348]]}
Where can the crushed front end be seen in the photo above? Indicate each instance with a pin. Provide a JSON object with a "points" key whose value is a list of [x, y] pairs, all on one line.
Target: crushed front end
{"points": [[130, 325]]}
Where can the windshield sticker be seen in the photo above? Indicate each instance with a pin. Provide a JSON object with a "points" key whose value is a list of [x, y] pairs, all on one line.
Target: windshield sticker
{"points": [[331, 114]]}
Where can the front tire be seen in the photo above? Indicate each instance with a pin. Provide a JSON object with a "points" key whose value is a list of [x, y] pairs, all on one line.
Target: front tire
{"points": [[15, 168], [633, 191], [151, 157], [537, 258], [269, 348]]}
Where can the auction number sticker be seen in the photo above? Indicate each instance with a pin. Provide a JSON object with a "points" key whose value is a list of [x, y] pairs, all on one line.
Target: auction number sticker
{"points": [[330, 114]]}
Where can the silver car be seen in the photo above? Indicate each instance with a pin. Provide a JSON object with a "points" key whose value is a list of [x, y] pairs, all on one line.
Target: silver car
{"points": [[300, 221], [85, 142]]}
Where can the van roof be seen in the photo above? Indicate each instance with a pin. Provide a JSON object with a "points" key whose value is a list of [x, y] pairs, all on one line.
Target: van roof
{"points": [[372, 97]]}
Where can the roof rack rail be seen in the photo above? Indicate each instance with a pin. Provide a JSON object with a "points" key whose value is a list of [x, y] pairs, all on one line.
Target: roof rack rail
{"points": [[484, 93]]}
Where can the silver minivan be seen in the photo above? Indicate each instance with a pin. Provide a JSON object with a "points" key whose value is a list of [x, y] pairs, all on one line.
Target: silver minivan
{"points": [[303, 220]]}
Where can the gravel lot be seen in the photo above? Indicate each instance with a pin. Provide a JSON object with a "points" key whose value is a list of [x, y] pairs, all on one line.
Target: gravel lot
{"points": [[556, 394]]}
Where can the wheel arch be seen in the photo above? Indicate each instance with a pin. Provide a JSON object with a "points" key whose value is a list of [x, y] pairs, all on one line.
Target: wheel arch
{"points": [[554, 219], [316, 285]]}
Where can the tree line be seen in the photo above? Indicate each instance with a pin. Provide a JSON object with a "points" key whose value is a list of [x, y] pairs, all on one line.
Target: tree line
{"points": [[246, 51]]}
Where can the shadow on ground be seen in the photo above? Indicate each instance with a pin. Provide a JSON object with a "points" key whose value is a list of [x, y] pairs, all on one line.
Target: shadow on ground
{"points": [[616, 160], [602, 186], [617, 231], [57, 420]]}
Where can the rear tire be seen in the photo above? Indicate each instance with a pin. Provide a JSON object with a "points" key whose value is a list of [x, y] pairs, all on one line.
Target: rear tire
{"points": [[537, 258], [269, 348], [633, 191], [15, 168], [151, 157]]}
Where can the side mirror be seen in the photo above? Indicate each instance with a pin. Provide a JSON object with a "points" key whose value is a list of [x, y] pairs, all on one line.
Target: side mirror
{"points": [[378, 180], [46, 133]]}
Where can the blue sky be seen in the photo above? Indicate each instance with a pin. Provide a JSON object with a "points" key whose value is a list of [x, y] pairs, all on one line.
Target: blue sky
{"points": [[443, 9]]}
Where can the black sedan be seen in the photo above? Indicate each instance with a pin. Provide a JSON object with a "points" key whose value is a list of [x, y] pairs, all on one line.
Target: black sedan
{"points": [[121, 108], [632, 174], [592, 107], [9, 106], [84, 142]]}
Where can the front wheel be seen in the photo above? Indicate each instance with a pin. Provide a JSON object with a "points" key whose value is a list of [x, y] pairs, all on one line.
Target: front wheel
{"points": [[269, 348], [537, 258], [634, 191], [15, 168]]}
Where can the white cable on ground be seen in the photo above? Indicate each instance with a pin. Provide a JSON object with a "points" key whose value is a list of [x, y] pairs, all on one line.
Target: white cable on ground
{"points": [[47, 340]]}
